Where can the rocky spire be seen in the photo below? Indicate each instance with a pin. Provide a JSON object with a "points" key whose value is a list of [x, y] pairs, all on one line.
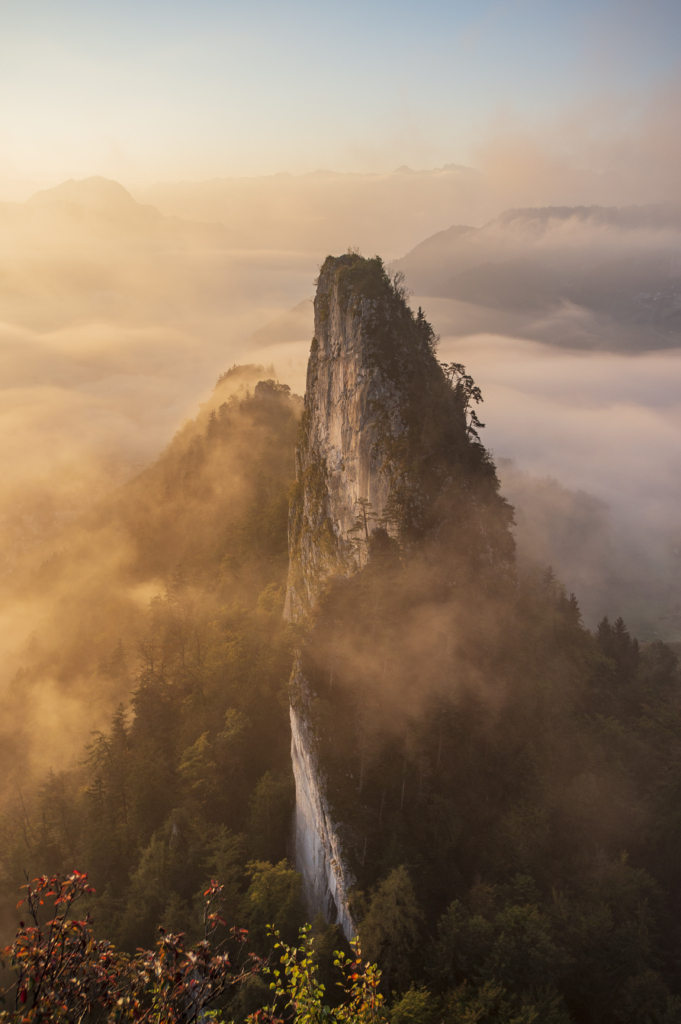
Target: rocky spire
{"points": [[387, 443], [374, 390]]}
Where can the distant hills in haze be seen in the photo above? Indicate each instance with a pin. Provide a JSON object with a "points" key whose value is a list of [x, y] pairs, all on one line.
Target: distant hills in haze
{"points": [[591, 277], [326, 211], [586, 277], [100, 207], [95, 193]]}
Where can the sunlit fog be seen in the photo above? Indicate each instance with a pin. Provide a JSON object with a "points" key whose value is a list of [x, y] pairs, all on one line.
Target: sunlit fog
{"points": [[193, 567]]}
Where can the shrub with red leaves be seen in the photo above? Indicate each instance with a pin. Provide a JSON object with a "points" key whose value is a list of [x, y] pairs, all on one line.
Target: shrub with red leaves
{"points": [[64, 974]]}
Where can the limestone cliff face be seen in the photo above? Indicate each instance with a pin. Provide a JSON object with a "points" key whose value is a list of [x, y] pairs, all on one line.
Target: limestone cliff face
{"points": [[336, 461], [356, 433], [335, 467], [361, 430], [318, 848]]}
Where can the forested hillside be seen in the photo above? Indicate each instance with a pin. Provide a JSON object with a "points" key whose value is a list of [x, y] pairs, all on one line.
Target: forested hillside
{"points": [[192, 777], [580, 276], [508, 800]]}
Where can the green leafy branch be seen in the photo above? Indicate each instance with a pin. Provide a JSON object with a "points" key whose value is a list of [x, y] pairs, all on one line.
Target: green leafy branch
{"points": [[298, 991]]}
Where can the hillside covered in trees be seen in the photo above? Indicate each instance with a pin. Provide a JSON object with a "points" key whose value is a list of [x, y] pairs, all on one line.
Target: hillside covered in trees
{"points": [[506, 783]]}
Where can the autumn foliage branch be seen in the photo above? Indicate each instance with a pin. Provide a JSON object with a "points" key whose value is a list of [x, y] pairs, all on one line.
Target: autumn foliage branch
{"points": [[64, 974]]}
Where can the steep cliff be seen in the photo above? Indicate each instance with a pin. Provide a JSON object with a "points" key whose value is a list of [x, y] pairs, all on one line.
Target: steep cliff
{"points": [[387, 453], [351, 401]]}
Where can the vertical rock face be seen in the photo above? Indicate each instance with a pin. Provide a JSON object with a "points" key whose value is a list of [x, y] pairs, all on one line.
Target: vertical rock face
{"points": [[375, 402], [318, 851], [374, 394], [337, 463]]}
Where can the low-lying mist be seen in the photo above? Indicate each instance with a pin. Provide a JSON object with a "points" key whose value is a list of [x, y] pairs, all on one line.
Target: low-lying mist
{"points": [[116, 320], [588, 446], [185, 540], [607, 427]]}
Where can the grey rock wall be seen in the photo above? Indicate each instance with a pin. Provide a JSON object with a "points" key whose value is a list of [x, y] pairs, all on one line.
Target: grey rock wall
{"points": [[318, 853], [336, 466], [383, 423]]}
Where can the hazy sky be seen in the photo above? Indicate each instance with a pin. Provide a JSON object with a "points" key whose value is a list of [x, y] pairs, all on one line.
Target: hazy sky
{"points": [[142, 89]]}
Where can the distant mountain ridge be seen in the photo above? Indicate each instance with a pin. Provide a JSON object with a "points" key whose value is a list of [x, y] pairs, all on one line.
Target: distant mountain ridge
{"points": [[594, 277], [96, 193], [324, 210], [98, 205]]}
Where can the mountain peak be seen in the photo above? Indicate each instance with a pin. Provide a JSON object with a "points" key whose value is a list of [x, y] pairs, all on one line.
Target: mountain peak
{"points": [[388, 462], [95, 193]]}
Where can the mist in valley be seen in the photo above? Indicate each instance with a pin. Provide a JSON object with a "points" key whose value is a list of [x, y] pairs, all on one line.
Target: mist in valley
{"points": [[156, 321], [118, 316]]}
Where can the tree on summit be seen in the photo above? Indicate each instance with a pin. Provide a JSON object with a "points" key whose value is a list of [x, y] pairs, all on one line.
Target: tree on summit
{"points": [[468, 391], [426, 331]]}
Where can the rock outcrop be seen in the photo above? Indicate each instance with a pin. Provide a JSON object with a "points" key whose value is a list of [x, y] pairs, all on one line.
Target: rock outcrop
{"points": [[375, 402], [373, 398], [337, 461], [318, 848]]}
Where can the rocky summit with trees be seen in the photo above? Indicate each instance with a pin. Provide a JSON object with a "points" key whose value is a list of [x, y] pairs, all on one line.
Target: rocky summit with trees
{"points": [[502, 784]]}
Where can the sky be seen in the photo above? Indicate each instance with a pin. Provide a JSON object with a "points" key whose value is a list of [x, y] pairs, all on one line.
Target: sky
{"points": [[141, 91]]}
